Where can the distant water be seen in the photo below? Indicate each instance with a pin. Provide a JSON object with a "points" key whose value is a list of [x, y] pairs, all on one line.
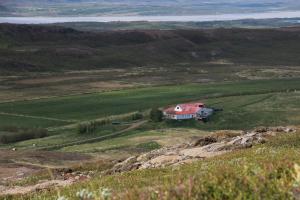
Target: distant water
{"points": [[194, 18]]}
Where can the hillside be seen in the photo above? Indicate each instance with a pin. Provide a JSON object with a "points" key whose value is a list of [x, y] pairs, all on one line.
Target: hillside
{"points": [[265, 160], [141, 25], [41, 48]]}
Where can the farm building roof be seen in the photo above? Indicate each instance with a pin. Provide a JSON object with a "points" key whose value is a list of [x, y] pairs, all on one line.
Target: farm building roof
{"points": [[190, 108]]}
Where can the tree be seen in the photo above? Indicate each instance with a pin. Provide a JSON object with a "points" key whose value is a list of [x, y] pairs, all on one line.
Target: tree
{"points": [[156, 115], [137, 116]]}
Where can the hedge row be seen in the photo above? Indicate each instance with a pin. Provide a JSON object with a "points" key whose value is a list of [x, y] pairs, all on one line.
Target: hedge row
{"points": [[21, 134]]}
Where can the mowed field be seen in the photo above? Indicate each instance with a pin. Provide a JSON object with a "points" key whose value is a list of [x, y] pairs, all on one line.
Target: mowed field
{"points": [[71, 109]]}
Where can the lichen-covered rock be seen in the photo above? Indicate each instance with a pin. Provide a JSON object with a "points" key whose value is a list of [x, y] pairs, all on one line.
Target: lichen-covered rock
{"points": [[204, 141], [127, 165]]}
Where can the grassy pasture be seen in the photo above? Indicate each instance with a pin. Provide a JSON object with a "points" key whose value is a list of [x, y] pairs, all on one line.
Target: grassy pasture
{"points": [[97, 105], [246, 112], [243, 112], [22, 121], [137, 138], [240, 112], [68, 136], [246, 105]]}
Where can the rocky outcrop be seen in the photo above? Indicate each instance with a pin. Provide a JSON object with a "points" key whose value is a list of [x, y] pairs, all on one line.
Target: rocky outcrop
{"points": [[19, 190], [61, 178], [205, 147]]}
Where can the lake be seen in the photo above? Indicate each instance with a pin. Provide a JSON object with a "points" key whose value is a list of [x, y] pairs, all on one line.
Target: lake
{"points": [[194, 18]]}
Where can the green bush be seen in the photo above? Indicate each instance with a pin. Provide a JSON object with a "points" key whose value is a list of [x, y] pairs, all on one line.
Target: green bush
{"points": [[137, 116], [83, 128], [87, 128], [91, 127], [156, 115], [21, 134], [149, 146]]}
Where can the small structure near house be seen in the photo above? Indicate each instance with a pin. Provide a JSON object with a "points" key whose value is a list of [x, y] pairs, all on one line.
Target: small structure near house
{"points": [[183, 111], [204, 114]]}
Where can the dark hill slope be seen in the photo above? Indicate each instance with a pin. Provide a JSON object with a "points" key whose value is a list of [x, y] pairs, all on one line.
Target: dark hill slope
{"points": [[44, 48]]}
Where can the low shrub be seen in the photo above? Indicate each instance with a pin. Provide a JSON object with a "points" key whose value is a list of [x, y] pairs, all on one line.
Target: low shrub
{"points": [[156, 115], [137, 116], [87, 128], [149, 146], [10, 128], [91, 127], [21, 134]]}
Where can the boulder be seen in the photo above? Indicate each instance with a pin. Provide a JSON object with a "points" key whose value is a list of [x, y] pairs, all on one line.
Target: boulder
{"points": [[161, 161], [205, 141], [127, 165]]}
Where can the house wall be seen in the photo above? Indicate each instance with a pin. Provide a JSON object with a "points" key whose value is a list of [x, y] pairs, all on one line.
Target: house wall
{"points": [[187, 116], [180, 117]]}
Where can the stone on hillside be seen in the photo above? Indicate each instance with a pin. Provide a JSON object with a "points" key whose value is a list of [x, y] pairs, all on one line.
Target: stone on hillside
{"points": [[252, 134], [127, 165], [261, 130], [220, 146], [147, 156], [204, 141], [283, 129], [247, 140], [2, 188], [161, 161], [199, 153]]}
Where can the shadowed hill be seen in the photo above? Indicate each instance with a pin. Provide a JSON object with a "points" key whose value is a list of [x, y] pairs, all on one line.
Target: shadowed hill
{"points": [[53, 48]]}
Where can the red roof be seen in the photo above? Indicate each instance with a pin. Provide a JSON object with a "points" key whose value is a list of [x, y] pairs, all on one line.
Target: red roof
{"points": [[184, 109]]}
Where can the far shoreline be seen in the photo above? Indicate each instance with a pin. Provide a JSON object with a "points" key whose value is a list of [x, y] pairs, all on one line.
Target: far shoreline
{"points": [[191, 18]]}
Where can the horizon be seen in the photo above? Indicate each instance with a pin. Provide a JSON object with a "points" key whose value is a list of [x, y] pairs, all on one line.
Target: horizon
{"points": [[126, 8], [174, 18]]}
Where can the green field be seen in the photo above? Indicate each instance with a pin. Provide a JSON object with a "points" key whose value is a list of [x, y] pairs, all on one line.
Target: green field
{"points": [[98, 105], [246, 105], [242, 113], [23, 121]]}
